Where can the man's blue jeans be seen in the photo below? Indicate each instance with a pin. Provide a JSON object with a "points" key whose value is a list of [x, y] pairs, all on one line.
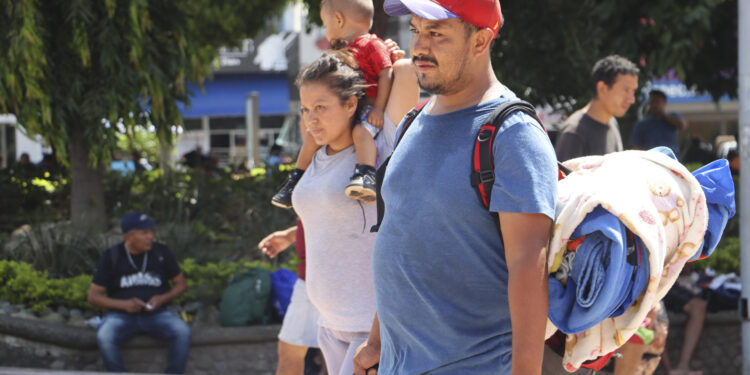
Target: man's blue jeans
{"points": [[119, 327]]}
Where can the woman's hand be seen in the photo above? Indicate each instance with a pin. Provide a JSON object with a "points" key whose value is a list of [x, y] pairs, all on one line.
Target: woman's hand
{"points": [[276, 242], [396, 52]]}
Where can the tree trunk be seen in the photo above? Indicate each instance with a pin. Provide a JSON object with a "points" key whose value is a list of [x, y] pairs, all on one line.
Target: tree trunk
{"points": [[165, 156], [87, 210]]}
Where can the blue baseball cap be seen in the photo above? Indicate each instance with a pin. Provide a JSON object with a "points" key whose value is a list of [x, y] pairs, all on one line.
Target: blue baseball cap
{"points": [[135, 220]]}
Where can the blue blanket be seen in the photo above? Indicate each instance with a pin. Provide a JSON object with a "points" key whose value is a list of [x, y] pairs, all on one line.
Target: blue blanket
{"points": [[716, 180], [606, 276]]}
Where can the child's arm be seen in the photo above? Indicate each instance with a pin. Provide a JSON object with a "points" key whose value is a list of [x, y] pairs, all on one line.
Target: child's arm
{"points": [[385, 81]]}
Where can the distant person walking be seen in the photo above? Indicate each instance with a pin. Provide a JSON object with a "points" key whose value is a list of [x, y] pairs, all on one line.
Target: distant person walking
{"points": [[593, 130], [659, 128]]}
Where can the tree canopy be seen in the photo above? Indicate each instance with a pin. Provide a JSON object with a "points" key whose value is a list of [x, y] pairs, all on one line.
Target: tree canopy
{"points": [[547, 48], [71, 70]]}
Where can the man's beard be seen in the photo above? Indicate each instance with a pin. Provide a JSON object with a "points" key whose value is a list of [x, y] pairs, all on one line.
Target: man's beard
{"points": [[439, 87]]}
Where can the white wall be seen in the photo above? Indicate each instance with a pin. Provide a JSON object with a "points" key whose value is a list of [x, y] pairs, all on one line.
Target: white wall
{"points": [[33, 147]]}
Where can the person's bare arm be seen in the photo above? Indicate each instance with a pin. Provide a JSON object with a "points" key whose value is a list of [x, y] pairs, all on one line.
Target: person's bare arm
{"points": [[377, 113], [368, 354], [675, 121], [526, 237], [98, 297], [278, 241], [179, 286]]}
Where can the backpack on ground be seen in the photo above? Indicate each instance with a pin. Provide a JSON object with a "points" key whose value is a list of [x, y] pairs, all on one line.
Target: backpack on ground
{"points": [[282, 282], [247, 298]]}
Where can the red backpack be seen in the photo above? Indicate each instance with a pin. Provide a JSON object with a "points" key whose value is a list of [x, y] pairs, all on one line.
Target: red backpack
{"points": [[482, 178]]}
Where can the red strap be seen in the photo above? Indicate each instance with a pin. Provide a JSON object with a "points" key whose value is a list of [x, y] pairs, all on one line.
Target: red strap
{"points": [[482, 160], [598, 363], [573, 244]]}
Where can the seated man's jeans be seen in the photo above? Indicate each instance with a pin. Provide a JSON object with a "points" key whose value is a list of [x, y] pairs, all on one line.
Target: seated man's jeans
{"points": [[119, 327]]}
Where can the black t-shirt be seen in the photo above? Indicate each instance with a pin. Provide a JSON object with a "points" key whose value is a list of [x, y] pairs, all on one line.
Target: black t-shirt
{"points": [[125, 281], [583, 136]]}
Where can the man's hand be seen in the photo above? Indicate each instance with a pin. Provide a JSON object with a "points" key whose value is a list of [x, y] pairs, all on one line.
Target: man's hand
{"points": [[376, 117], [154, 303], [366, 356], [133, 305], [276, 242], [396, 52]]}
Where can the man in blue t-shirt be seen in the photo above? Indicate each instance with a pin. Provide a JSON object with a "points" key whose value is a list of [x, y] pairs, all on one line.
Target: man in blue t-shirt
{"points": [[455, 293], [132, 282], [659, 128]]}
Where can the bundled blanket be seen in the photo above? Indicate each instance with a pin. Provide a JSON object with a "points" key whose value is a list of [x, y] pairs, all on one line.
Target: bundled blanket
{"points": [[661, 203], [599, 278]]}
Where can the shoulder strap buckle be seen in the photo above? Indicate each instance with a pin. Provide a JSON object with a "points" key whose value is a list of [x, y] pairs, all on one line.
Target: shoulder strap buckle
{"points": [[482, 177]]}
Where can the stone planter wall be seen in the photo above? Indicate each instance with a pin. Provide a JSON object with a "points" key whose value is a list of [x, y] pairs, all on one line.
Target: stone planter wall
{"points": [[40, 344], [719, 350], [252, 350]]}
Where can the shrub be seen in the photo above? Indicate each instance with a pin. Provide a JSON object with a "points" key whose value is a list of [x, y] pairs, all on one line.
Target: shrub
{"points": [[725, 258], [57, 249], [31, 197], [21, 284], [206, 283], [206, 216], [210, 216]]}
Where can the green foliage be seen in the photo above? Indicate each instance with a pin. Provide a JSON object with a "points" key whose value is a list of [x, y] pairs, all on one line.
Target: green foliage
{"points": [[656, 35], [78, 62], [22, 284], [546, 48], [31, 197], [208, 217], [66, 65], [138, 141], [205, 216], [725, 259], [206, 283], [57, 248]]}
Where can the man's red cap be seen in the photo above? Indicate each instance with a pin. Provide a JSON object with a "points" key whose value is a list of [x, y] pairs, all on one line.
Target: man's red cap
{"points": [[480, 13]]}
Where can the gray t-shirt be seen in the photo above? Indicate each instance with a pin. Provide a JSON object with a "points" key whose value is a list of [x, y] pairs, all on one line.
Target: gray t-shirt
{"points": [[584, 136], [338, 239]]}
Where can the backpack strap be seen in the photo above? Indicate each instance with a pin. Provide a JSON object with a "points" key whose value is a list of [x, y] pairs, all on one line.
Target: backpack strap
{"points": [[483, 161], [380, 174], [409, 119]]}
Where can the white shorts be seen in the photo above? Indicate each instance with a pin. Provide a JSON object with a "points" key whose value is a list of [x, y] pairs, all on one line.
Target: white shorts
{"points": [[300, 326]]}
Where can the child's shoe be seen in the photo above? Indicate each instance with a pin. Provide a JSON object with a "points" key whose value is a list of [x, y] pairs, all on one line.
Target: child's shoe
{"points": [[362, 184], [283, 198]]}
